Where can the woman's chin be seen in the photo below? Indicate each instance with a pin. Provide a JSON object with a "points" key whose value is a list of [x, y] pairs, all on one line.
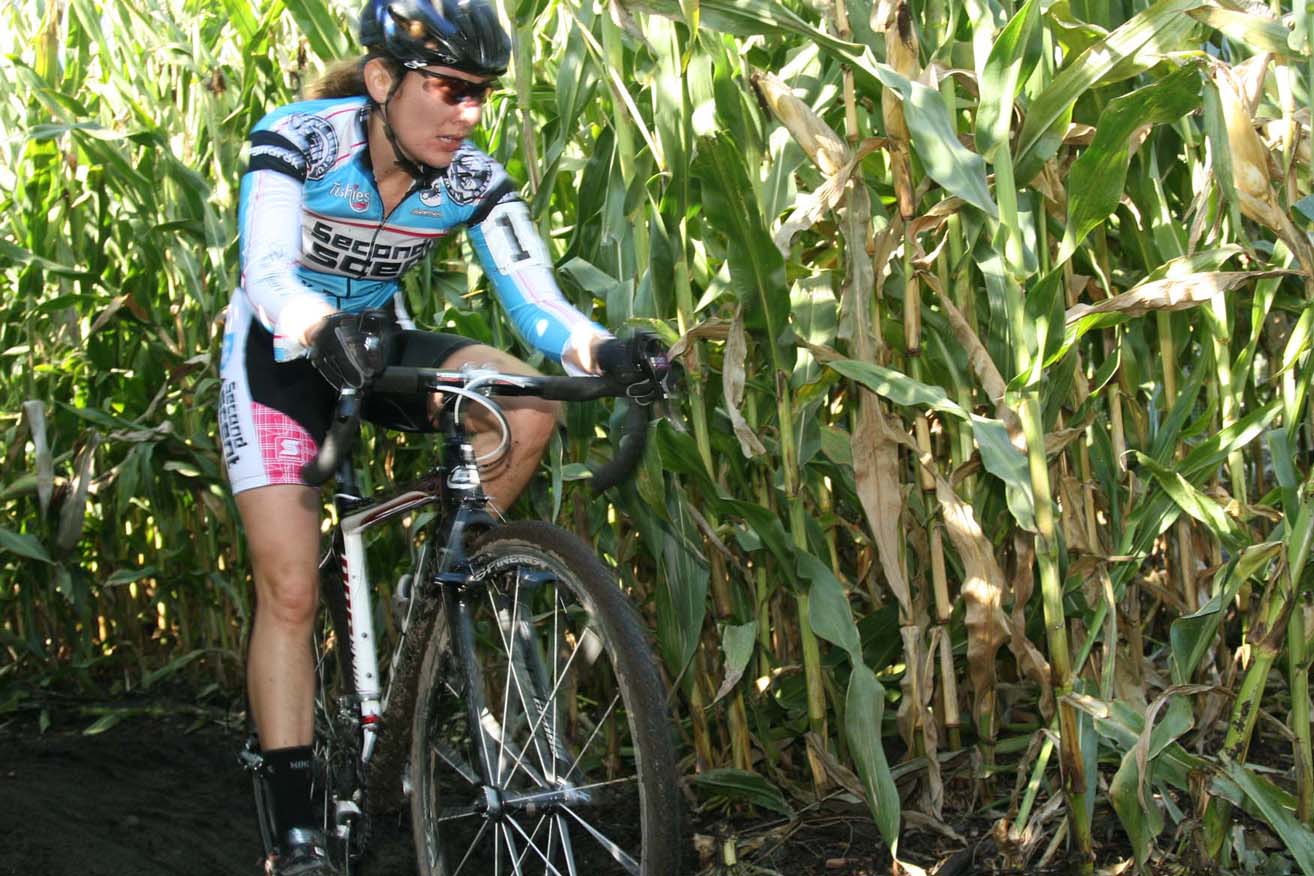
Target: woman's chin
{"points": [[438, 157]]}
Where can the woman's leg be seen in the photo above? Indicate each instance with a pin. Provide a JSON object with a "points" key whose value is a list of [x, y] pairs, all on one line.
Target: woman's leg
{"points": [[282, 532], [532, 422]]}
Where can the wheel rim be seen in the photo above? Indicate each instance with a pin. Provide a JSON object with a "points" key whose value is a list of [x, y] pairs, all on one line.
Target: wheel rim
{"points": [[564, 796]]}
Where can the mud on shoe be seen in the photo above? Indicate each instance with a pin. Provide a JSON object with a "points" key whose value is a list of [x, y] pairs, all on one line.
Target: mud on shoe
{"points": [[303, 852]]}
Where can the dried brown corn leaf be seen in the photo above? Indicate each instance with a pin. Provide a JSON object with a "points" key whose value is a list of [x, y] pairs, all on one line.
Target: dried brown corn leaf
{"points": [[876, 474], [983, 588], [1170, 293], [816, 138], [1249, 157], [733, 377]]}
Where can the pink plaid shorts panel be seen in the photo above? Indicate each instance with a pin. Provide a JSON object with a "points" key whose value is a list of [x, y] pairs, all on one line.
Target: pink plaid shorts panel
{"points": [[284, 445]]}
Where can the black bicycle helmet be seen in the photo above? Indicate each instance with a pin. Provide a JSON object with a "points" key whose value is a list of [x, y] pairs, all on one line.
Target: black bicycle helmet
{"points": [[462, 34]]}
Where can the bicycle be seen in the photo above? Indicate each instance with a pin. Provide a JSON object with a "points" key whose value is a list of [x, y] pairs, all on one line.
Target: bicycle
{"points": [[523, 714]]}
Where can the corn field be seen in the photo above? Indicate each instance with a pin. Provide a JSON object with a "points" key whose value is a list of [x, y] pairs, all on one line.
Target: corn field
{"points": [[990, 487]]}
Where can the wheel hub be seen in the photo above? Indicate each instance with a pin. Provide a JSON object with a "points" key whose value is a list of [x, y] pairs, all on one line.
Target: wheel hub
{"points": [[492, 803]]}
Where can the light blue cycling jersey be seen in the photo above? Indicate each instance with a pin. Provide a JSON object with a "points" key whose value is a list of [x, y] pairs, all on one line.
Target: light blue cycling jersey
{"points": [[313, 231]]}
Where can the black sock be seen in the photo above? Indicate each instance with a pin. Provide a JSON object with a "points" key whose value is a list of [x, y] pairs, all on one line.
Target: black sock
{"points": [[290, 772]]}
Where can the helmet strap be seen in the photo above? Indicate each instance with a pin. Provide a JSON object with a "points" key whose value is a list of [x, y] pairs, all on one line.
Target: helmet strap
{"points": [[418, 171]]}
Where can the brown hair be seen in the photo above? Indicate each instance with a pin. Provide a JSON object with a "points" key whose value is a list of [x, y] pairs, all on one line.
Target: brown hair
{"points": [[346, 78]]}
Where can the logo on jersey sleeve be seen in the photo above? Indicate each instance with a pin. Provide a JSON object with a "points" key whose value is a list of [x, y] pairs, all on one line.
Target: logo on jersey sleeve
{"points": [[468, 176], [317, 140]]}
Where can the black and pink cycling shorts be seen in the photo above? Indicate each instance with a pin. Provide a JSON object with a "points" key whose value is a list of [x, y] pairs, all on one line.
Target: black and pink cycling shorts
{"points": [[273, 415]]}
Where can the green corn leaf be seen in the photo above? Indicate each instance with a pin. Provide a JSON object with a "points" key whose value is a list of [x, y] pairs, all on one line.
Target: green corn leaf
{"points": [[127, 576], [1012, 59], [934, 137], [765, 525], [757, 270], [864, 710], [1141, 816], [1009, 464], [737, 644], [1045, 328], [1096, 180], [897, 386], [946, 160], [1036, 142], [103, 723], [829, 613], [1195, 503], [327, 36], [1298, 838], [170, 668], [19, 256], [23, 545], [1249, 29], [1194, 634], [681, 593], [742, 785]]}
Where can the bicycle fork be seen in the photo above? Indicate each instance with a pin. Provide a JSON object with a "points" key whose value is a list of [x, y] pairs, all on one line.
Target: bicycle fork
{"points": [[526, 680]]}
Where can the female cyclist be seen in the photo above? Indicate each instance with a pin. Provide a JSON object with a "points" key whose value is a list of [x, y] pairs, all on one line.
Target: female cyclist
{"points": [[342, 194]]}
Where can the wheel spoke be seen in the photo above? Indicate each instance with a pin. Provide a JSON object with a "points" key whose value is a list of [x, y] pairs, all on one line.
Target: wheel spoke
{"points": [[523, 799], [579, 642], [498, 733], [529, 841], [509, 648], [557, 611], [550, 867], [597, 728], [622, 857], [460, 765], [574, 806], [474, 844], [567, 850], [512, 857], [456, 813]]}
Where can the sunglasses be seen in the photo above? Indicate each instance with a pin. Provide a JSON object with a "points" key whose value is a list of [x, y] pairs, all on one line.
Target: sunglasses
{"points": [[456, 91]]}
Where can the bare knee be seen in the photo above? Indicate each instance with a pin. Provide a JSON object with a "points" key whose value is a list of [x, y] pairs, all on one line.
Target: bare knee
{"points": [[532, 426], [287, 594]]}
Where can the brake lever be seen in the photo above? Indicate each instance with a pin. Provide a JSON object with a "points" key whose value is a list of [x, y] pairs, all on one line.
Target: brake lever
{"points": [[667, 406]]}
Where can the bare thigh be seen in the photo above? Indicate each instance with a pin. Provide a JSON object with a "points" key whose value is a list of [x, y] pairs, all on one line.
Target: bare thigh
{"points": [[282, 532]]}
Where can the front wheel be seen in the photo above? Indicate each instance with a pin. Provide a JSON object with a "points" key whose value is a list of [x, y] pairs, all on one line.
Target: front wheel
{"points": [[543, 745]]}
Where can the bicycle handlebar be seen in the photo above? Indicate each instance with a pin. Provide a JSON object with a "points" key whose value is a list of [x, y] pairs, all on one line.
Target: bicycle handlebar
{"points": [[345, 429]]}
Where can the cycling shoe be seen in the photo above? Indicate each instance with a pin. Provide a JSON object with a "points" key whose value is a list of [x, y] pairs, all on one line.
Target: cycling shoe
{"points": [[303, 852]]}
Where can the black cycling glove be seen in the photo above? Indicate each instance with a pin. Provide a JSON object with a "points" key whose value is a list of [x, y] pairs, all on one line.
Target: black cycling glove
{"points": [[641, 363], [350, 349]]}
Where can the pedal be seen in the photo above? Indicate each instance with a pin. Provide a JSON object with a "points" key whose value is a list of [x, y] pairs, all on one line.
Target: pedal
{"points": [[250, 757], [345, 812]]}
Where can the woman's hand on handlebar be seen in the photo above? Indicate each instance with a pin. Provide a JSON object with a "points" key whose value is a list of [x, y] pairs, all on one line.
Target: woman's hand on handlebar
{"points": [[350, 349], [641, 363]]}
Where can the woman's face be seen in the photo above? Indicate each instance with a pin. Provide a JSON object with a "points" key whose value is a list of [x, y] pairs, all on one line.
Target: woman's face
{"points": [[434, 110]]}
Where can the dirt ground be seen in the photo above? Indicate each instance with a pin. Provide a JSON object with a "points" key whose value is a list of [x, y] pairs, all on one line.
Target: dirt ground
{"points": [[161, 792], [154, 794]]}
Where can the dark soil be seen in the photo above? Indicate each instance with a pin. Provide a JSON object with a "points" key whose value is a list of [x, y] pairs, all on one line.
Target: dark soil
{"points": [[161, 792]]}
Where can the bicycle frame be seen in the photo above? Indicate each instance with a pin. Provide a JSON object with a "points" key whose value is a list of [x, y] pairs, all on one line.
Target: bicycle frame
{"points": [[459, 490]]}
